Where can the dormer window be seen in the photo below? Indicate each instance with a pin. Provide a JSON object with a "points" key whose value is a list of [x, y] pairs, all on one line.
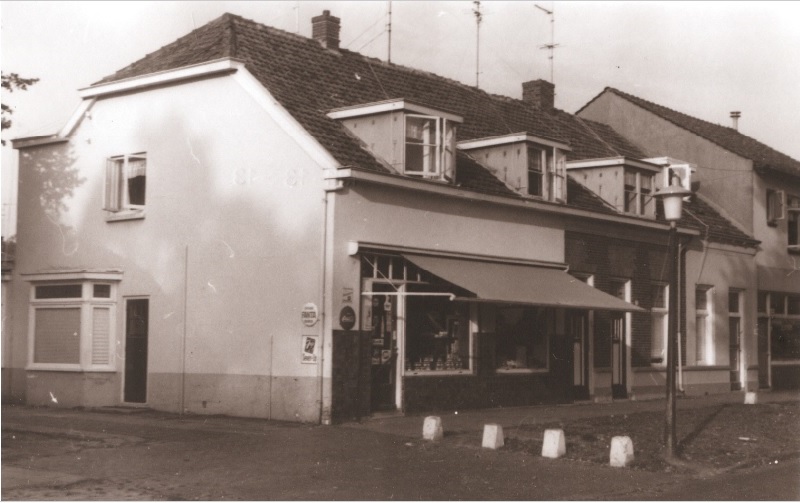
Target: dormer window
{"points": [[530, 165], [626, 184], [429, 147], [415, 140], [638, 192]]}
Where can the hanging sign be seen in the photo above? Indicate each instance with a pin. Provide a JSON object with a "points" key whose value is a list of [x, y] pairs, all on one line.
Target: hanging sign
{"points": [[347, 318], [310, 314]]}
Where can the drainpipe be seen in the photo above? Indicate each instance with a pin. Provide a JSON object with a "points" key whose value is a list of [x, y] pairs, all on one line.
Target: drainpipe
{"points": [[679, 306], [323, 318]]}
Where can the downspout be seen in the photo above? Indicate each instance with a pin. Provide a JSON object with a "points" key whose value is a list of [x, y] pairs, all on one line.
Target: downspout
{"points": [[185, 329], [679, 307], [323, 318]]}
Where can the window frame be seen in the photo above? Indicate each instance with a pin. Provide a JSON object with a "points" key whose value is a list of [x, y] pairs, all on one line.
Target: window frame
{"points": [[116, 195], [444, 148], [663, 313], [640, 198], [551, 172], [775, 206], [707, 315], [793, 223], [86, 304], [549, 316]]}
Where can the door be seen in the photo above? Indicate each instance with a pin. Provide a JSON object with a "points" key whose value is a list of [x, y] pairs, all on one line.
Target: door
{"points": [[136, 323], [577, 326], [618, 360], [735, 353], [383, 346]]}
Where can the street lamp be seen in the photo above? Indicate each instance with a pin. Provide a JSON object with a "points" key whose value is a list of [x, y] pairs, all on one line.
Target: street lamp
{"points": [[672, 198]]}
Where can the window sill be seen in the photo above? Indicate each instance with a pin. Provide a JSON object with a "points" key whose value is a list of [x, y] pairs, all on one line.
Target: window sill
{"points": [[434, 373], [521, 371], [65, 367], [125, 215], [786, 363]]}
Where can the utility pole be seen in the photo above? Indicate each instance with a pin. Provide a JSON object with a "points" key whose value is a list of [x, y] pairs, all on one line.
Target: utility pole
{"points": [[478, 18]]}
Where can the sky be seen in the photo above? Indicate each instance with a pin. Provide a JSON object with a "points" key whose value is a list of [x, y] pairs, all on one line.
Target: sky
{"points": [[704, 59]]}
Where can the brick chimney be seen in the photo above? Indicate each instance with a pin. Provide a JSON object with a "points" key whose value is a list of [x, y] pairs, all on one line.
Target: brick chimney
{"points": [[539, 93], [325, 30]]}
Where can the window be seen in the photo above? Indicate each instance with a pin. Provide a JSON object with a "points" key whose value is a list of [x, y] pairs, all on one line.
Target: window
{"points": [[546, 173], [430, 147], [658, 324], [437, 335], [72, 326], [126, 183], [784, 325], [523, 335], [638, 192], [793, 218], [704, 331], [775, 206]]}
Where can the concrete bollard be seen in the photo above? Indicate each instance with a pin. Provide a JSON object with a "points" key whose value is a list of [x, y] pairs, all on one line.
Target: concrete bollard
{"points": [[750, 398], [621, 451], [432, 428], [553, 445], [493, 436]]}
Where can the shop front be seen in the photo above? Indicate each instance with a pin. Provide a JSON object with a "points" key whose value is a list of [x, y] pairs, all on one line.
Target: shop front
{"points": [[450, 333]]}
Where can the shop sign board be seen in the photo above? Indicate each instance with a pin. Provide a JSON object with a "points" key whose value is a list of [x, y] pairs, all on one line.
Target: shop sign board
{"points": [[310, 314], [309, 349]]}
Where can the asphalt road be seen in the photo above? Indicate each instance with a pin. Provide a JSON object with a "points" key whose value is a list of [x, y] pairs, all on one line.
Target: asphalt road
{"points": [[82, 455]]}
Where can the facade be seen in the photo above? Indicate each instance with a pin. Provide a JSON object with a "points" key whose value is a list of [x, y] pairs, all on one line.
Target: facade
{"points": [[254, 223], [767, 187]]}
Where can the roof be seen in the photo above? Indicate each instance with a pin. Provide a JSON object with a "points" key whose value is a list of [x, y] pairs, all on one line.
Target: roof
{"points": [[764, 158], [309, 81]]}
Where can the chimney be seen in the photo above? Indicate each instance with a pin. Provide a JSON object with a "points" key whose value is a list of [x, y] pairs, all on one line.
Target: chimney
{"points": [[735, 116], [325, 30], [539, 93]]}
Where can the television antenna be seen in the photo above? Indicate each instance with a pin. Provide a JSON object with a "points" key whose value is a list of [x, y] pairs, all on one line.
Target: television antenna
{"points": [[389, 29], [478, 17], [552, 45]]}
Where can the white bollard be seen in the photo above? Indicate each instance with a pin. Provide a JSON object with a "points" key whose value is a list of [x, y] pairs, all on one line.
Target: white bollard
{"points": [[553, 445], [621, 451], [750, 398], [432, 428], [493, 436]]}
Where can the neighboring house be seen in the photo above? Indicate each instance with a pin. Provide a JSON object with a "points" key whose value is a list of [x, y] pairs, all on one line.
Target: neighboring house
{"points": [[255, 223], [756, 187], [8, 253]]}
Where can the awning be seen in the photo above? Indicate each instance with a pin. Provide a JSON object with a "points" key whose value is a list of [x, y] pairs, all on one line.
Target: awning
{"points": [[519, 284]]}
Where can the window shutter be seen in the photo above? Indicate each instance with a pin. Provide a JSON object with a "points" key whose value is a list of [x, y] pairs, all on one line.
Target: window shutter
{"points": [[112, 200], [101, 330], [775, 206], [561, 177], [450, 152]]}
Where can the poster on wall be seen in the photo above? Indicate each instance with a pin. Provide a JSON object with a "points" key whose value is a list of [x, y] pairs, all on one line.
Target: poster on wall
{"points": [[309, 349]]}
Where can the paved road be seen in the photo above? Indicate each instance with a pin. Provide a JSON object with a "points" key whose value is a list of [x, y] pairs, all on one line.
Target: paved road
{"points": [[64, 454]]}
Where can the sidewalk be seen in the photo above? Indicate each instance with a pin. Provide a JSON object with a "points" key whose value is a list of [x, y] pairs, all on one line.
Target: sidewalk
{"points": [[514, 417]]}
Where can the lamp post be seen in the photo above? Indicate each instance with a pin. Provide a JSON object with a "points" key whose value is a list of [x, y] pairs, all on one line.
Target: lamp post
{"points": [[672, 197]]}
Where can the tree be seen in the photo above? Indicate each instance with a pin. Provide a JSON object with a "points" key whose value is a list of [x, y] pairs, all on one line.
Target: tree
{"points": [[13, 81]]}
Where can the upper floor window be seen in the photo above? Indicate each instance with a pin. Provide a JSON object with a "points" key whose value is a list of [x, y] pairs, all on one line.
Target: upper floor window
{"points": [[546, 173], [126, 183], [430, 147], [638, 192], [793, 221], [704, 326], [776, 202]]}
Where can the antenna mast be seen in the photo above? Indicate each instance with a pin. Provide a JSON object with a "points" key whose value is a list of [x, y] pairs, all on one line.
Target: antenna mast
{"points": [[552, 45], [478, 17], [389, 26]]}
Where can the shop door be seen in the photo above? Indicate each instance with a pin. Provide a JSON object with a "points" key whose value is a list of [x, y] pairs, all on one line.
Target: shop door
{"points": [[577, 324], [136, 322], [383, 347], [618, 360], [735, 353]]}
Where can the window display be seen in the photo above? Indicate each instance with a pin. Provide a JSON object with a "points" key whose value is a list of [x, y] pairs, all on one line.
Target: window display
{"points": [[437, 336], [523, 335]]}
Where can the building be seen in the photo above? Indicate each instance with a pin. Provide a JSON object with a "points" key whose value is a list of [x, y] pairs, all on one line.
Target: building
{"points": [[767, 207], [255, 223]]}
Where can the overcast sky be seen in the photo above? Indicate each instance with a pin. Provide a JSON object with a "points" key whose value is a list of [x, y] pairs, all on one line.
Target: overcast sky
{"points": [[701, 58]]}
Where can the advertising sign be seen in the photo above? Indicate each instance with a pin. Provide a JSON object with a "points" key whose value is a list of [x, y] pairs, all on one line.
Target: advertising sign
{"points": [[309, 349], [310, 314]]}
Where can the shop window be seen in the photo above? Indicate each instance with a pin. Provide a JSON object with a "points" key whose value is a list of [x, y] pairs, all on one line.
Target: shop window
{"points": [[523, 335], [126, 183], [785, 339], [704, 328], [430, 147], [437, 336], [658, 323], [72, 327]]}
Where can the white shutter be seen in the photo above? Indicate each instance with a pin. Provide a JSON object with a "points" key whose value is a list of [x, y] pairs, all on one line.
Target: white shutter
{"points": [[449, 151], [113, 199], [101, 331], [560, 189]]}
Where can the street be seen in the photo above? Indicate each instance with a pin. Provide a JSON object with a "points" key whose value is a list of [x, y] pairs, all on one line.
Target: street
{"points": [[60, 454]]}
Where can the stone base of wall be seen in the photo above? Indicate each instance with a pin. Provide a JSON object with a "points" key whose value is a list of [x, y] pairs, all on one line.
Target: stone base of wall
{"points": [[72, 389], [13, 385], [785, 377]]}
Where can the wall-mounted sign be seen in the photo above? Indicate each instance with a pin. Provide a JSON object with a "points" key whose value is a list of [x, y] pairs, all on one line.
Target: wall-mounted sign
{"points": [[309, 349], [347, 318], [347, 295], [310, 314]]}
